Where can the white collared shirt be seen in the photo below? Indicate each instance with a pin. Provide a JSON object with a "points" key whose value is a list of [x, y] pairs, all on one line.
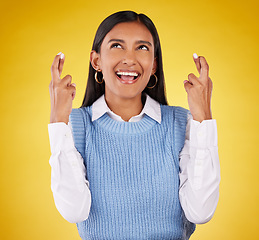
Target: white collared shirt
{"points": [[151, 108], [199, 166]]}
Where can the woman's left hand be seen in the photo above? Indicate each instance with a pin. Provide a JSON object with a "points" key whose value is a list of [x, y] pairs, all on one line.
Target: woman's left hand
{"points": [[199, 90]]}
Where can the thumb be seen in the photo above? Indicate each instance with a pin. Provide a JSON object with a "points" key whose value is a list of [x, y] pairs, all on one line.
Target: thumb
{"points": [[73, 95], [72, 88], [187, 85]]}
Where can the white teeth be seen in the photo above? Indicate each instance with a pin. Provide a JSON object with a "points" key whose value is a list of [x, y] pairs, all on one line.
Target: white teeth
{"points": [[134, 74]]}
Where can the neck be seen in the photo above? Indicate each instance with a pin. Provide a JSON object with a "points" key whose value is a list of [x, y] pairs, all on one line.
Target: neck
{"points": [[126, 108]]}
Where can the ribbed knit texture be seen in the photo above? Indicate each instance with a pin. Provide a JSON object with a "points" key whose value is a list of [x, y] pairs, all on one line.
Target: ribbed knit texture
{"points": [[132, 169]]}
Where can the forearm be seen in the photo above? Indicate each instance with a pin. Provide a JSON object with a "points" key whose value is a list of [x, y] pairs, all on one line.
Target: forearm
{"points": [[200, 172], [68, 183]]}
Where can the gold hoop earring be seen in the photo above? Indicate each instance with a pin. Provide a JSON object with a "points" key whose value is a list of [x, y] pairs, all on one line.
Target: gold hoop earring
{"points": [[96, 78], [155, 82]]}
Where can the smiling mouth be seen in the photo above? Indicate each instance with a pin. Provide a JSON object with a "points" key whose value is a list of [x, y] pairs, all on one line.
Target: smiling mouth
{"points": [[127, 77]]}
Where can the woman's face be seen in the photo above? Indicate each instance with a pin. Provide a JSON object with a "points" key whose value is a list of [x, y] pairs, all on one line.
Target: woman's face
{"points": [[127, 60]]}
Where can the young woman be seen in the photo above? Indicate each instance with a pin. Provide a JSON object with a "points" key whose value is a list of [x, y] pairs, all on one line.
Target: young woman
{"points": [[126, 165]]}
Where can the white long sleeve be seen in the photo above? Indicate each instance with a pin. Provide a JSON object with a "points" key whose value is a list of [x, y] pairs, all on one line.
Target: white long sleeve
{"points": [[200, 171], [68, 183], [199, 176]]}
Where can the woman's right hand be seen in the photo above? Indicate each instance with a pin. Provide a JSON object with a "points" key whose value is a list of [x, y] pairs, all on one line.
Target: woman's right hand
{"points": [[62, 92]]}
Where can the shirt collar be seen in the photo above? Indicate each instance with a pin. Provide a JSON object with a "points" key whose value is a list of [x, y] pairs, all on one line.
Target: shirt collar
{"points": [[151, 108]]}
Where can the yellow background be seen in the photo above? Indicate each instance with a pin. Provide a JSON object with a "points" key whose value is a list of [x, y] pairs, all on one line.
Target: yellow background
{"points": [[32, 32]]}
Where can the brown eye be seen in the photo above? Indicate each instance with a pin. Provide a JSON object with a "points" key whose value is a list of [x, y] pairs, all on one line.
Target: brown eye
{"points": [[116, 45], [143, 47]]}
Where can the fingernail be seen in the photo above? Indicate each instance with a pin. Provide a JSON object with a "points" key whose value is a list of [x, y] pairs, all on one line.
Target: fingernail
{"points": [[62, 55], [73, 84], [185, 81], [195, 55]]}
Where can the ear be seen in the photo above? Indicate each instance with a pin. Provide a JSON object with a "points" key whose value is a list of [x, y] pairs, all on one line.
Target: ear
{"points": [[95, 60], [154, 68]]}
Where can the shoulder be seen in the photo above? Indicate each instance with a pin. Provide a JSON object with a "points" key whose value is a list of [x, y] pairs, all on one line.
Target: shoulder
{"points": [[178, 113], [80, 116], [81, 112]]}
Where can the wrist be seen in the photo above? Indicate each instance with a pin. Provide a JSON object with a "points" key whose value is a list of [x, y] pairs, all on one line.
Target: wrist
{"points": [[202, 117], [55, 119]]}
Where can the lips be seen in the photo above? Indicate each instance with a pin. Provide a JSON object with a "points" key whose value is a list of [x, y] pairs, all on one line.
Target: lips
{"points": [[127, 77]]}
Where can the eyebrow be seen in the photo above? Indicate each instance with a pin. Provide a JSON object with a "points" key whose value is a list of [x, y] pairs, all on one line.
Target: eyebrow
{"points": [[138, 42]]}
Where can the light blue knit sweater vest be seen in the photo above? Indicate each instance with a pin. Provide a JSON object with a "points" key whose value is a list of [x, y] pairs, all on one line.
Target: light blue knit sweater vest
{"points": [[133, 174]]}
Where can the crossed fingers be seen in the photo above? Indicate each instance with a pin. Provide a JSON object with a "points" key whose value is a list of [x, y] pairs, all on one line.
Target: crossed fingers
{"points": [[203, 69], [199, 90], [57, 66]]}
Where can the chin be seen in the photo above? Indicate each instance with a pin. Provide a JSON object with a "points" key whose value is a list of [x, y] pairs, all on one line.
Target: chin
{"points": [[126, 93]]}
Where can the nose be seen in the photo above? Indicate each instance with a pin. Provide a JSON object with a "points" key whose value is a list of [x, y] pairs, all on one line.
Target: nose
{"points": [[129, 58]]}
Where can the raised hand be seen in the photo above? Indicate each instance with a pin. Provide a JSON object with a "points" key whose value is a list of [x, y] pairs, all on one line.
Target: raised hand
{"points": [[62, 92], [199, 90]]}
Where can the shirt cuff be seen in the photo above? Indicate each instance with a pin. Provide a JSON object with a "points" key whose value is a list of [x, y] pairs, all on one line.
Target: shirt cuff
{"points": [[60, 137], [203, 135]]}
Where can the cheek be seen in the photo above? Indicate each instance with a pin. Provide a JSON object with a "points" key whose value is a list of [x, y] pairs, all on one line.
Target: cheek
{"points": [[145, 58], [109, 61], [147, 65]]}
